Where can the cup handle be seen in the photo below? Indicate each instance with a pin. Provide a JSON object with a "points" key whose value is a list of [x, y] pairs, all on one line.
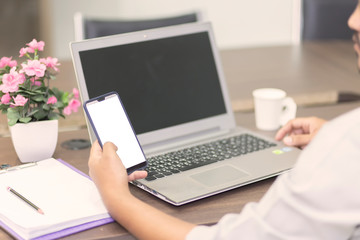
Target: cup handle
{"points": [[289, 110]]}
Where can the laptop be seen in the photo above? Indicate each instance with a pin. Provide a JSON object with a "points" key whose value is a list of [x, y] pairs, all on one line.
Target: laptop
{"points": [[172, 85]]}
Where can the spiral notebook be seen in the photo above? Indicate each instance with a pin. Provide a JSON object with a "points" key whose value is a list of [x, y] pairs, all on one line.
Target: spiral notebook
{"points": [[68, 198]]}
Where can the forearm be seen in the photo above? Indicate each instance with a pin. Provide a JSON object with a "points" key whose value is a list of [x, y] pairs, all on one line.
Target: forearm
{"points": [[142, 220], [145, 221]]}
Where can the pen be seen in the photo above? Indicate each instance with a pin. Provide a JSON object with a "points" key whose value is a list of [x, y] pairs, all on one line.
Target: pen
{"points": [[25, 200]]}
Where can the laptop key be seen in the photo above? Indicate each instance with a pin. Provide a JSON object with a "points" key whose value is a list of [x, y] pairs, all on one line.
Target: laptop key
{"points": [[159, 175], [166, 173], [150, 178], [152, 173]]}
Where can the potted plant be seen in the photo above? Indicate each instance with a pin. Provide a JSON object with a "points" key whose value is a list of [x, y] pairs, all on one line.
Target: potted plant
{"points": [[31, 106]]}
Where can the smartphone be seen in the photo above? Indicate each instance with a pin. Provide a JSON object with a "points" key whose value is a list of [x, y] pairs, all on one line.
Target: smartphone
{"points": [[110, 123]]}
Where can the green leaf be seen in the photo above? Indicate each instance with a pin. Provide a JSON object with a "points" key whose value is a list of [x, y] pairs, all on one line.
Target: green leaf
{"points": [[13, 116], [56, 91], [38, 98], [53, 116], [12, 121], [32, 112], [51, 92], [65, 98], [25, 119], [26, 84], [26, 92], [46, 107], [39, 89], [12, 113], [59, 105], [41, 114]]}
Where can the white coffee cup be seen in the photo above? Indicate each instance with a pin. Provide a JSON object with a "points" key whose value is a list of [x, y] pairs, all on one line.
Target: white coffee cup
{"points": [[272, 108]]}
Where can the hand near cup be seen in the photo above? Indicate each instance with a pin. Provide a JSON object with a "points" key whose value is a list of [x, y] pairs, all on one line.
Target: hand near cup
{"points": [[299, 131]]}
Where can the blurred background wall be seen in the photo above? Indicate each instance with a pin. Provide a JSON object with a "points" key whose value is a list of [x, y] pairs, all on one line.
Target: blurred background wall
{"points": [[237, 23]]}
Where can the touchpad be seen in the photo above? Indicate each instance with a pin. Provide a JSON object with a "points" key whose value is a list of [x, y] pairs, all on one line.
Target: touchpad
{"points": [[219, 176]]}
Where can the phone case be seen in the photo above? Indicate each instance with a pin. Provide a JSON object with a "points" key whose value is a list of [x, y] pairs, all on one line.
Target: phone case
{"points": [[101, 98]]}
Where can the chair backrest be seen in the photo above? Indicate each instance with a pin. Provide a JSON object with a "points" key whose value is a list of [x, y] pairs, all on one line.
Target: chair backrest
{"points": [[326, 19], [86, 28]]}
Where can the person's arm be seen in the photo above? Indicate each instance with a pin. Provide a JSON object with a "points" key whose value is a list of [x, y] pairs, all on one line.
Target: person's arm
{"points": [[299, 131], [142, 220]]}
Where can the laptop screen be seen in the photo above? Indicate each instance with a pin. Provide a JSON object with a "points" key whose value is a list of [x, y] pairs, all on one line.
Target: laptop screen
{"points": [[162, 82]]}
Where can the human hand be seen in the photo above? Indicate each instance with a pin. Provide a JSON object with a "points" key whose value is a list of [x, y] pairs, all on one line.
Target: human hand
{"points": [[299, 131], [139, 218], [107, 170]]}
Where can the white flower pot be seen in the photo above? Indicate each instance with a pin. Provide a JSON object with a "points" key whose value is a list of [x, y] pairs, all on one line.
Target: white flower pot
{"points": [[34, 141]]}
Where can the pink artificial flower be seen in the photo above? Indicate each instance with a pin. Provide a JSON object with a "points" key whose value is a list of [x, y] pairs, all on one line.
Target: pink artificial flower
{"points": [[50, 62], [5, 61], [5, 99], [34, 68], [34, 82], [74, 104], [52, 100], [23, 51], [30, 50], [11, 81], [35, 45], [19, 101], [76, 93], [67, 110]]}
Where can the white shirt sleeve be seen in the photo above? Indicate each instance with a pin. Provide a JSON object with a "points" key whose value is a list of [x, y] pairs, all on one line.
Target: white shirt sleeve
{"points": [[318, 199]]}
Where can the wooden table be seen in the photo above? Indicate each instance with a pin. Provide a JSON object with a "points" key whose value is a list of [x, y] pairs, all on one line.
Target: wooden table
{"points": [[205, 211], [310, 68]]}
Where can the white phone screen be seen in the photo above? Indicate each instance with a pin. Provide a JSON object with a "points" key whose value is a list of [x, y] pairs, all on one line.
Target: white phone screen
{"points": [[111, 124]]}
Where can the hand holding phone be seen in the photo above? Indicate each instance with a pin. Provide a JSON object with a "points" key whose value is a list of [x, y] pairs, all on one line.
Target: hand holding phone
{"points": [[110, 123]]}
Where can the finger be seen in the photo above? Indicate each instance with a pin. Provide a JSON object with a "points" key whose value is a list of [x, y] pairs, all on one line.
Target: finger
{"points": [[95, 148], [109, 153], [137, 175], [95, 155], [296, 125], [297, 140], [285, 130], [109, 150], [109, 146], [297, 131]]}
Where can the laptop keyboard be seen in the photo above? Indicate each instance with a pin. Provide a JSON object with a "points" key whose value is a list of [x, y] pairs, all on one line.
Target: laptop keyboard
{"points": [[200, 155]]}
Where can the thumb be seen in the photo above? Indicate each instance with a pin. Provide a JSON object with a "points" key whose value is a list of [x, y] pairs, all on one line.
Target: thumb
{"points": [[300, 140], [109, 151], [109, 145], [137, 175]]}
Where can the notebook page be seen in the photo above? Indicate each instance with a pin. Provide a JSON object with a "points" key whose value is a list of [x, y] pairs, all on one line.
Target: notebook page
{"points": [[65, 196]]}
